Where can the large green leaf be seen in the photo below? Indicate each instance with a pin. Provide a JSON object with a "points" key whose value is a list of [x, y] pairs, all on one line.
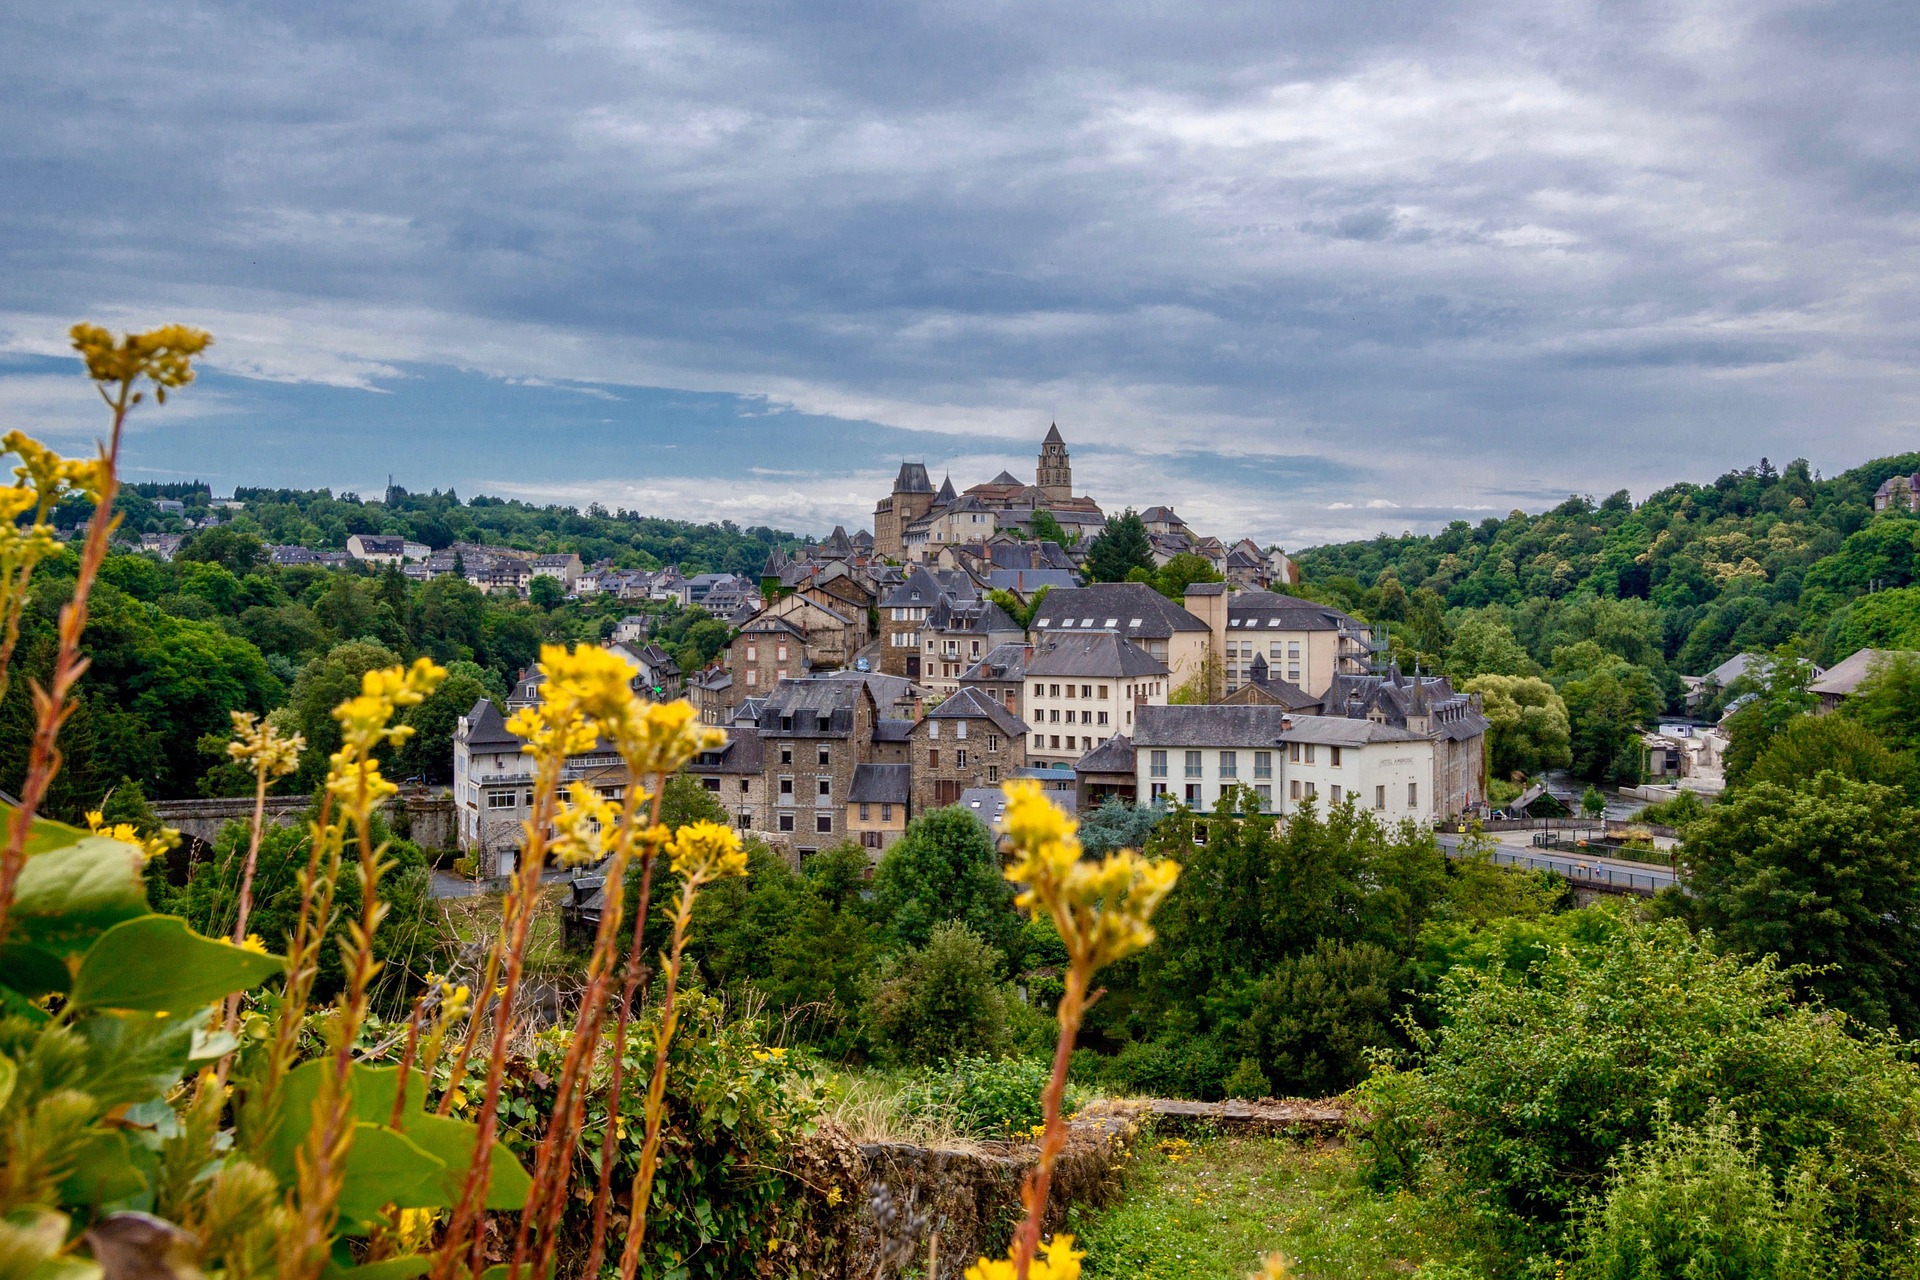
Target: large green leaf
{"points": [[156, 964], [416, 1264], [32, 971], [133, 1058], [103, 1171], [69, 893], [44, 834], [384, 1168], [450, 1142]]}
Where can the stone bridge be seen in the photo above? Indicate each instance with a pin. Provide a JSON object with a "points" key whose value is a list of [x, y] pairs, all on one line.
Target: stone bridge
{"points": [[428, 816]]}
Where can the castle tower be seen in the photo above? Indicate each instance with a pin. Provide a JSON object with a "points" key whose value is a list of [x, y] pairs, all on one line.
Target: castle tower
{"points": [[1054, 474], [911, 498]]}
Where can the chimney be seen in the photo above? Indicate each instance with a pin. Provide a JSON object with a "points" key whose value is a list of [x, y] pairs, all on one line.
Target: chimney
{"points": [[1286, 723]]}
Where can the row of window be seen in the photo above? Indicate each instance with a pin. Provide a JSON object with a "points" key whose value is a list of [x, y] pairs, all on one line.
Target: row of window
{"points": [[1051, 742], [1230, 761], [1051, 715], [1298, 789], [1251, 650], [1054, 690], [786, 789], [753, 652]]}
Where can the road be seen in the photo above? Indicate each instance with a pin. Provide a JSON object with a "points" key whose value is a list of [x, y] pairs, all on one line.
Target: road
{"points": [[1582, 869]]}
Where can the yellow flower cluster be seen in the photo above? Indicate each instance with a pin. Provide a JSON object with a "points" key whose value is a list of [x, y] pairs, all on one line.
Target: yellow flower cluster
{"points": [[1101, 910], [703, 851], [47, 474], [163, 355], [583, 826], [258, 745], [1057, 1260], [150, 847], [366, 723]]}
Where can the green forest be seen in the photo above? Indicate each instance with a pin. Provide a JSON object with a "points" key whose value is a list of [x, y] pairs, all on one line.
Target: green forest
{"points": [[176, 647]]}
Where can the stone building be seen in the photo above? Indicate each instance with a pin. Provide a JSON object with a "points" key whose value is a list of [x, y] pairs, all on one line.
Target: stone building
{"points": [[879, 805], [493, 786], [814, 733], [970, 740]]}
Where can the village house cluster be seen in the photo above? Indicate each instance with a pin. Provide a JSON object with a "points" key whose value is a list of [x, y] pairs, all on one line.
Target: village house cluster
{"points": [[874, 677]]}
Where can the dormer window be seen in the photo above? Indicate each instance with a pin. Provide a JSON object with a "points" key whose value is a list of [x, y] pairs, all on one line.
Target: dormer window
{"points": [[1113, 622]]}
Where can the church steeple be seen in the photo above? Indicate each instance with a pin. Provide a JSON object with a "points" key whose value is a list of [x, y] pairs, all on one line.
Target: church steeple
{"points": [[1054, 474]]}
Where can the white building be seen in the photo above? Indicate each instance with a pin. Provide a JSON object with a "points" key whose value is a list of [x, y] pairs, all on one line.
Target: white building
{"points": [[1083, 689], [1193, 754], [493, 787]]}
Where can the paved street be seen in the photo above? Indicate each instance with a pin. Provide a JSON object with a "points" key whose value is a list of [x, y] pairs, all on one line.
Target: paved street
{"points": [[1589, 870]]}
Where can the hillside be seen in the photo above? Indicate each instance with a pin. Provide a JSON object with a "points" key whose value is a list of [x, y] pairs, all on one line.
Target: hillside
{"points": [[1755, 559]]}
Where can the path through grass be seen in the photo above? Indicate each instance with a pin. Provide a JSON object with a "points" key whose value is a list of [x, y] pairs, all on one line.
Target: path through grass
{"points": [[1211, 1207]]}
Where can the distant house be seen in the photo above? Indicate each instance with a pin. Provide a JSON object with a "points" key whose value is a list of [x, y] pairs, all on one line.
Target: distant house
{"points": [[1898, 491], [970, 740], [564, 567], [169, 506], [286, 556], [1083, 689], [381, 548], [635, 626], [879, 802], [164, 545], [1843, 678]]}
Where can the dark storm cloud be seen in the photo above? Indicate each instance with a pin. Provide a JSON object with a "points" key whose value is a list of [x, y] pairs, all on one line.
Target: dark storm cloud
{"points": [[1286, 260]]}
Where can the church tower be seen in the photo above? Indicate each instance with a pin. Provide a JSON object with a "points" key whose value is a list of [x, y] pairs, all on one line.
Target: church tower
{"points": [[1054, 475]]}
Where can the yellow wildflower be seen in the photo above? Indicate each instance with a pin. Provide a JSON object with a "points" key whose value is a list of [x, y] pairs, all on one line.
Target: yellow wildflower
{"points": [[252, 943], [659, 737], [260, 746], [598, 681], [162, 355], [1057, 1260], [583, 826], [703, 851], [1100, 909], [1272, 1267], [150, 847]]}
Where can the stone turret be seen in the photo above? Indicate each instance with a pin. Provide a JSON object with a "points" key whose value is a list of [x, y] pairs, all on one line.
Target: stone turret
{"points": [[1054, 474]]}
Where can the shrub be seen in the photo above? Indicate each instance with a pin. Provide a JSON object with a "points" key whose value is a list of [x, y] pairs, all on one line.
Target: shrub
{"points": [[1248, 1080], [1533, 1088], [1695, 1202], [987, 1097], [735, 1109], [1315, 1017], [944, 999]]}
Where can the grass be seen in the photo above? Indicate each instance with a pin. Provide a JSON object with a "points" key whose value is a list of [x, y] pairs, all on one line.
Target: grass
{"points": [[1212, 1207]]}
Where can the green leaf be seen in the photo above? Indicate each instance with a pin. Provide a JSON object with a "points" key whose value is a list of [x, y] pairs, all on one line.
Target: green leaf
{"points": [[69, 894], [452, 1141], [66, 1269], [156, 964], [45, 834], [33, 971], [134, 1057], [384, 1168], [103, 1171], [417, 1264], [9, 1074]]}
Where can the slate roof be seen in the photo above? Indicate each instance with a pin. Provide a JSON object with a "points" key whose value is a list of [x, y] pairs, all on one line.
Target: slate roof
{"points": [[741, 754], [892, 730], [1844, 676], [912, 479], [881, 784], [1251, 610], [486, 727], [1053, 435], [815, 707], [970, 703], [1103, 655], [1003, 662], [1256, 727], [1131, 608], [1115, 755]]}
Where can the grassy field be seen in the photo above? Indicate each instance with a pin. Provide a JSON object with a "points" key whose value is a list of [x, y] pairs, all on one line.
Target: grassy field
{"points": [[1213, 1206]]}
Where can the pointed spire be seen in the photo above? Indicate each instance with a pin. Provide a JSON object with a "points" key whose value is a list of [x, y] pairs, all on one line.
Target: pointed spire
{"points": [[1053, 435], [946, 493]]}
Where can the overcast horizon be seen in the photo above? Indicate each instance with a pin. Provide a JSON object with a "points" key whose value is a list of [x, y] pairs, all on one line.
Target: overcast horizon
{"points": [[1303, 272]]}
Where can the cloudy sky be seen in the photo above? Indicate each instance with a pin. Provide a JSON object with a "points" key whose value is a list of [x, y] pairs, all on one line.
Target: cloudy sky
{"points": [[1307, 269]]}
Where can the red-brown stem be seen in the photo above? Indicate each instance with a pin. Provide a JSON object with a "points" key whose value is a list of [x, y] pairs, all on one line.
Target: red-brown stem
{"points": [[657, 1086], [322, 1162], [232, 1020], [303, 946], [54, 705], [609, 1141], [553, 1170], [406, 1060], [489, 978], [461, 1230], [1073, 1006]]}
